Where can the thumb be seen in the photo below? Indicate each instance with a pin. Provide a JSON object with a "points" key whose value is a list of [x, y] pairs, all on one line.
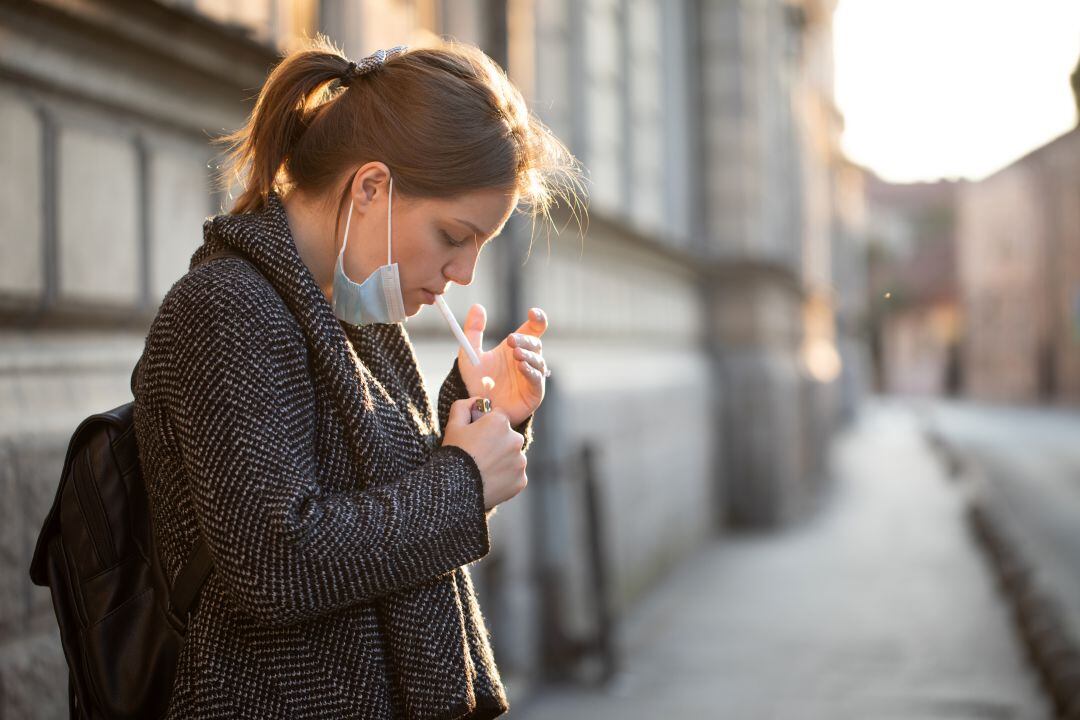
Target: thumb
{"points": [[475, 322], [459, 413], [537, 324]]}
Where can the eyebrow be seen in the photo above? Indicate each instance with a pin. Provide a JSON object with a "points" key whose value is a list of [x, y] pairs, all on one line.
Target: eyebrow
{"points": [[472, 227]]}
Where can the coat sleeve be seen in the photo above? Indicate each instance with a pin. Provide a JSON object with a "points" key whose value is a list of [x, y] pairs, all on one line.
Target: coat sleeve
{"points": [[453, 389], [286, 548]]}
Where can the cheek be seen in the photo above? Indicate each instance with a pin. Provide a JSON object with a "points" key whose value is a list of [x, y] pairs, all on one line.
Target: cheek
{"points": [[420, 266]]}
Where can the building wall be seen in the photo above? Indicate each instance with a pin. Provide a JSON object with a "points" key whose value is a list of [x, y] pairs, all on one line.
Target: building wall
{"points": [[1058, 169], [918, 343], [771, 155], [915, 280], [678, 313], [1019, 254], [850, 280], [625, 345], [1001, 257], [104, 183]]}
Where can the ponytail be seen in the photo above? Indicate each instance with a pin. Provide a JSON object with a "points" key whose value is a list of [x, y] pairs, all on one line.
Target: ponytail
{"points": [[289, 100], [445, 120]]}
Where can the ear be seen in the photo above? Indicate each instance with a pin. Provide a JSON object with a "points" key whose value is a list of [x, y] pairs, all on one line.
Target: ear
{"points": [[368, 182]]}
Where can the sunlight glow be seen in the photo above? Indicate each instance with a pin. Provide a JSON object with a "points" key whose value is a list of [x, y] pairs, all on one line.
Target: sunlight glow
{"points": [[953, 88]]}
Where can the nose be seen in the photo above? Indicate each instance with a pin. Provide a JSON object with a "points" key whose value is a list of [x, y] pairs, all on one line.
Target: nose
{"points": [[461, 270]]}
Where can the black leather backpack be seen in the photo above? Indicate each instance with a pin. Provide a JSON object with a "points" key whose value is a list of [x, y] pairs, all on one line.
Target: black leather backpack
{"points": [[121, 624]]}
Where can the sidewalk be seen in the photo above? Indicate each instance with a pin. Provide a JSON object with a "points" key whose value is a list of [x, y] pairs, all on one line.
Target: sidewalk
{"points": [[879, 607]]}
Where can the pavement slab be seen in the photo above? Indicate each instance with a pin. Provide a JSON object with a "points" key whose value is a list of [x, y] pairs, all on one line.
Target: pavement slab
{"points": [[879, 606]]}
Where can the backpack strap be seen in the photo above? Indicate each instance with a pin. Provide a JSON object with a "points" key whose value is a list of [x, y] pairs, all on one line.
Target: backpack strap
{"points": [[184, 592]]}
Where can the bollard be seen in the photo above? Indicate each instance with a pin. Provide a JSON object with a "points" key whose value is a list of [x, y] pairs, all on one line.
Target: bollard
{"points": [[604, 641]]}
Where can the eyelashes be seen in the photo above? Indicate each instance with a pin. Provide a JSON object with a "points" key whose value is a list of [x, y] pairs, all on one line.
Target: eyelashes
{"points": [[451, 240], [461, 243]]}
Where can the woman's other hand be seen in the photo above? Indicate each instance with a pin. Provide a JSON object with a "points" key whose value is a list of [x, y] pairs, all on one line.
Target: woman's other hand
{"points": [[516, 365], [495, 447]]}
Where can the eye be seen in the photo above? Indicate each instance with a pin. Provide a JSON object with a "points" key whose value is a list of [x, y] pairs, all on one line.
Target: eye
{"points": [[451, 240]]}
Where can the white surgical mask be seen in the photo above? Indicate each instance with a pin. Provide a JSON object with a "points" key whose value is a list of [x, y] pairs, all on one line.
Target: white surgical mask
{"points": [[378, 299]]}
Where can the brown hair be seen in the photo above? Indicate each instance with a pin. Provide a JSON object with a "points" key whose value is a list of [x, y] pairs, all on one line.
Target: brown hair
{"points": [[445, 120]]}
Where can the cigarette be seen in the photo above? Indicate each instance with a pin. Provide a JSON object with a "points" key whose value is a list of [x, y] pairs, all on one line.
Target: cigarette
{"points": [[456, 329]]}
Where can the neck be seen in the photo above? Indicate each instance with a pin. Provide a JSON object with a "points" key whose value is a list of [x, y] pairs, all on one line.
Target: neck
{"points": [[312, 228]]}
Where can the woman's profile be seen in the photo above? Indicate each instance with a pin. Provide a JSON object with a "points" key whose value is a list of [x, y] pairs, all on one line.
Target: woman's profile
{"points": [[281, 416]]}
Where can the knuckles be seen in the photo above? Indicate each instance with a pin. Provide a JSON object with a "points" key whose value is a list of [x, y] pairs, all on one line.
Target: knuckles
{"points": [[529, 342], [503, 418]]}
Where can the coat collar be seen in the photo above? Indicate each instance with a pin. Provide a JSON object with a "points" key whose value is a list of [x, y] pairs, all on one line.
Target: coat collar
{"points": [[373, 394]]}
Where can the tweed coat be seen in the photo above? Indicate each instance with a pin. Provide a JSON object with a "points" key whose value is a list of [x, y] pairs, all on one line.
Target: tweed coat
{"points": [[306, 452]]}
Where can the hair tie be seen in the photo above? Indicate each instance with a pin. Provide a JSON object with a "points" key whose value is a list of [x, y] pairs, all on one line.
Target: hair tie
{"points": [[371, 63]]}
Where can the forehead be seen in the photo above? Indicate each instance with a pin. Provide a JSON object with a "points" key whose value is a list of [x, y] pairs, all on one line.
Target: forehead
{"points": [[486, 209]]}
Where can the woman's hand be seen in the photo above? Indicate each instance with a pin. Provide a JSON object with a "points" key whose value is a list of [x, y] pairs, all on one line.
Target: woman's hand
{"points": [[517, 365], [495, 447]]}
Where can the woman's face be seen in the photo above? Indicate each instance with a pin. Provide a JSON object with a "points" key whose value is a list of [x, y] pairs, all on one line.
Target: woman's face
{"points": [[435, 241]]}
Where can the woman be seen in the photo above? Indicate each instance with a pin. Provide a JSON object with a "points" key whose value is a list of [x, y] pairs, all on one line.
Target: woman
{"points": [[280, 414]]}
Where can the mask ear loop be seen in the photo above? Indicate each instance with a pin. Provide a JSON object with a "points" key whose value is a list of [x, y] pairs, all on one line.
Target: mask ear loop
{"points": [[389, 219], [348, 219]]}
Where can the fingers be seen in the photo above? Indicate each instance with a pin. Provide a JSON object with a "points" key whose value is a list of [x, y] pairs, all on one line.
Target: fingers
{"points": [[535, 360], [536, 325], [526, 342], [475, 322], [500, 414], [535, 376], [460, 412]]}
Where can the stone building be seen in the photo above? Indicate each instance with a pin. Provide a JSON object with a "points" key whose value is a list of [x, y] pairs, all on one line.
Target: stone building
{"points": [[975, 285], [1019, 242], [778, 202], [105, 111], [705, 325], [914, 286]]}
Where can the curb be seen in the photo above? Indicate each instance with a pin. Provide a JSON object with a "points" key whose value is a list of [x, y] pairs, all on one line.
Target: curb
{"points": [[1051, 646]]}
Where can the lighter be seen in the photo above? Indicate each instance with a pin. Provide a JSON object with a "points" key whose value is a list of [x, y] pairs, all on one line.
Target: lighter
{"points": [[481, 407]]}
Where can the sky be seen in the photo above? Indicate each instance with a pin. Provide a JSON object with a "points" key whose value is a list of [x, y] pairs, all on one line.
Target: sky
{"points": [[953, 88]]}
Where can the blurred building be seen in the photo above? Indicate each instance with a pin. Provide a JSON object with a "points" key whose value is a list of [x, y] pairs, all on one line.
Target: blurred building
{"points": [[706, 331], [1020, 277], [975, 287], [914, 288], [105, 113]]}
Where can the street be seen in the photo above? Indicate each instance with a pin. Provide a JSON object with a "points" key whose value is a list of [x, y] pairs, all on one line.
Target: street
{"points": [[1029, 461], [880, 606]]}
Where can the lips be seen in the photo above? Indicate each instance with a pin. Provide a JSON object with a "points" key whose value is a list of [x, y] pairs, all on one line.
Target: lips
{"points": [[429, 297]]}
